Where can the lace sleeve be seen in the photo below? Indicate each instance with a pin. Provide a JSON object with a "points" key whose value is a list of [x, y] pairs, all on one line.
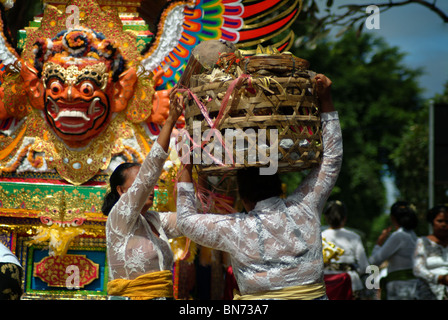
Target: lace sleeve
{"points": [[219, 231], [168, 221], [316, 187], [420, 269], [212, 230], [126, 211]]}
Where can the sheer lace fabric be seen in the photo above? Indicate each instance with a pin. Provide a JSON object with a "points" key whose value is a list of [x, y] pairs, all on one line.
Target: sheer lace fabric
{"points": [[133, 249], [431, 261], [279, 243]]}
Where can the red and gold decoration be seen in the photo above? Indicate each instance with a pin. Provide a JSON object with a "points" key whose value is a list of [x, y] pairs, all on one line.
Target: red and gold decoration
{"points": [[330, 251], [88, 90], [52, 270], [85, 96]]}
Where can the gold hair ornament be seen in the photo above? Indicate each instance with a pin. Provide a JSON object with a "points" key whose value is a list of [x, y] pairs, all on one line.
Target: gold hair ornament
{"points": [[72, 75]]}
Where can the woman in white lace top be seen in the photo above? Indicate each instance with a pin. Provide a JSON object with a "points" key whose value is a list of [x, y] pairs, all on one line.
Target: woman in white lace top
{"points": [[139, 254], [431, 255], [276, 248]]}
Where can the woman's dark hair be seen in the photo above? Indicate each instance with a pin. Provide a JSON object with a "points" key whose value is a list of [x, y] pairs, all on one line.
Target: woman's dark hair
{"points": [[405, 215], [433, 212], [335, 213], [255, 187], [117, 178]]}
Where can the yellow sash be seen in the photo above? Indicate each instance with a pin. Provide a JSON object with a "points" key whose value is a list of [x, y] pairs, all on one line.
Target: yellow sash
{"points": [[306, 292], [148, 286]]}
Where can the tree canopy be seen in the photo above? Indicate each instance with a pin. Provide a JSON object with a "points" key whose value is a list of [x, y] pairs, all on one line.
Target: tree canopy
{"points": [[319, 17], [376, 96]]}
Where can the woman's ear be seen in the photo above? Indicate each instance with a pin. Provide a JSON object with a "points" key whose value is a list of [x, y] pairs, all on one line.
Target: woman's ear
{"points": [[248, 205], [120, 190], [36, 90], [123, 90]]}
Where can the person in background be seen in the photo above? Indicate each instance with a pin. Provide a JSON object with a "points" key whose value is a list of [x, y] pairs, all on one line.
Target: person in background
{"points": [[139, 254], [397, 248], [431, 255], [352, 262], [276, 247], [11, 274]]}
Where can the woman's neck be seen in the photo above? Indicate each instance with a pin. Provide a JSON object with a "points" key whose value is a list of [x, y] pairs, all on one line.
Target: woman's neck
{"points": [[443, 241]]}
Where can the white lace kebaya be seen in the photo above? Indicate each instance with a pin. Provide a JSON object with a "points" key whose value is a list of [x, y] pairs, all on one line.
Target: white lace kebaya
{"points": [[133, 249], [430, 262], [279, 243]]}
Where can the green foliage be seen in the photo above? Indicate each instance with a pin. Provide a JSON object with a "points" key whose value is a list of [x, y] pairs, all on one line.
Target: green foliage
{"points": [[410, 160], [376, 96], [379, 223], [318, 17], [442, 98]]}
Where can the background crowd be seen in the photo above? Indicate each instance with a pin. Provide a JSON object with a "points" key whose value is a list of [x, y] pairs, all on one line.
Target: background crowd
{"points": [[410, 267]]}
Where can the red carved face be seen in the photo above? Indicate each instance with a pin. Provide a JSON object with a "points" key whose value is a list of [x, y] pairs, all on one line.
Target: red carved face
{"points": [[78, 80], [76, 104]]}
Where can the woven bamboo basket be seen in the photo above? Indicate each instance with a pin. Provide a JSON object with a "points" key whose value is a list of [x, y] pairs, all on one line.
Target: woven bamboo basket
{"points": [[261, 109]]}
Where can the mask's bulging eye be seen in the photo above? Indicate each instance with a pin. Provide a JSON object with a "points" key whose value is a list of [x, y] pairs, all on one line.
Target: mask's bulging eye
{"points": [[56, 87], [86, 89]]}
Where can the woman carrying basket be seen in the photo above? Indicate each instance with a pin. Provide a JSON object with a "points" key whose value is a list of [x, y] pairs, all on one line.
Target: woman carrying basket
{"points": [[139, 254], [276, 248]]}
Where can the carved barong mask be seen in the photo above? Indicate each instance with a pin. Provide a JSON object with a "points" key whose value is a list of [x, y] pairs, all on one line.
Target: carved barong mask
{"points": [[78, 80]]}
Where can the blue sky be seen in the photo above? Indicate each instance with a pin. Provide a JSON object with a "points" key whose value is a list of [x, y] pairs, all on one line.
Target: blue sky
{"points": [[423, 37], [419, 33]]}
